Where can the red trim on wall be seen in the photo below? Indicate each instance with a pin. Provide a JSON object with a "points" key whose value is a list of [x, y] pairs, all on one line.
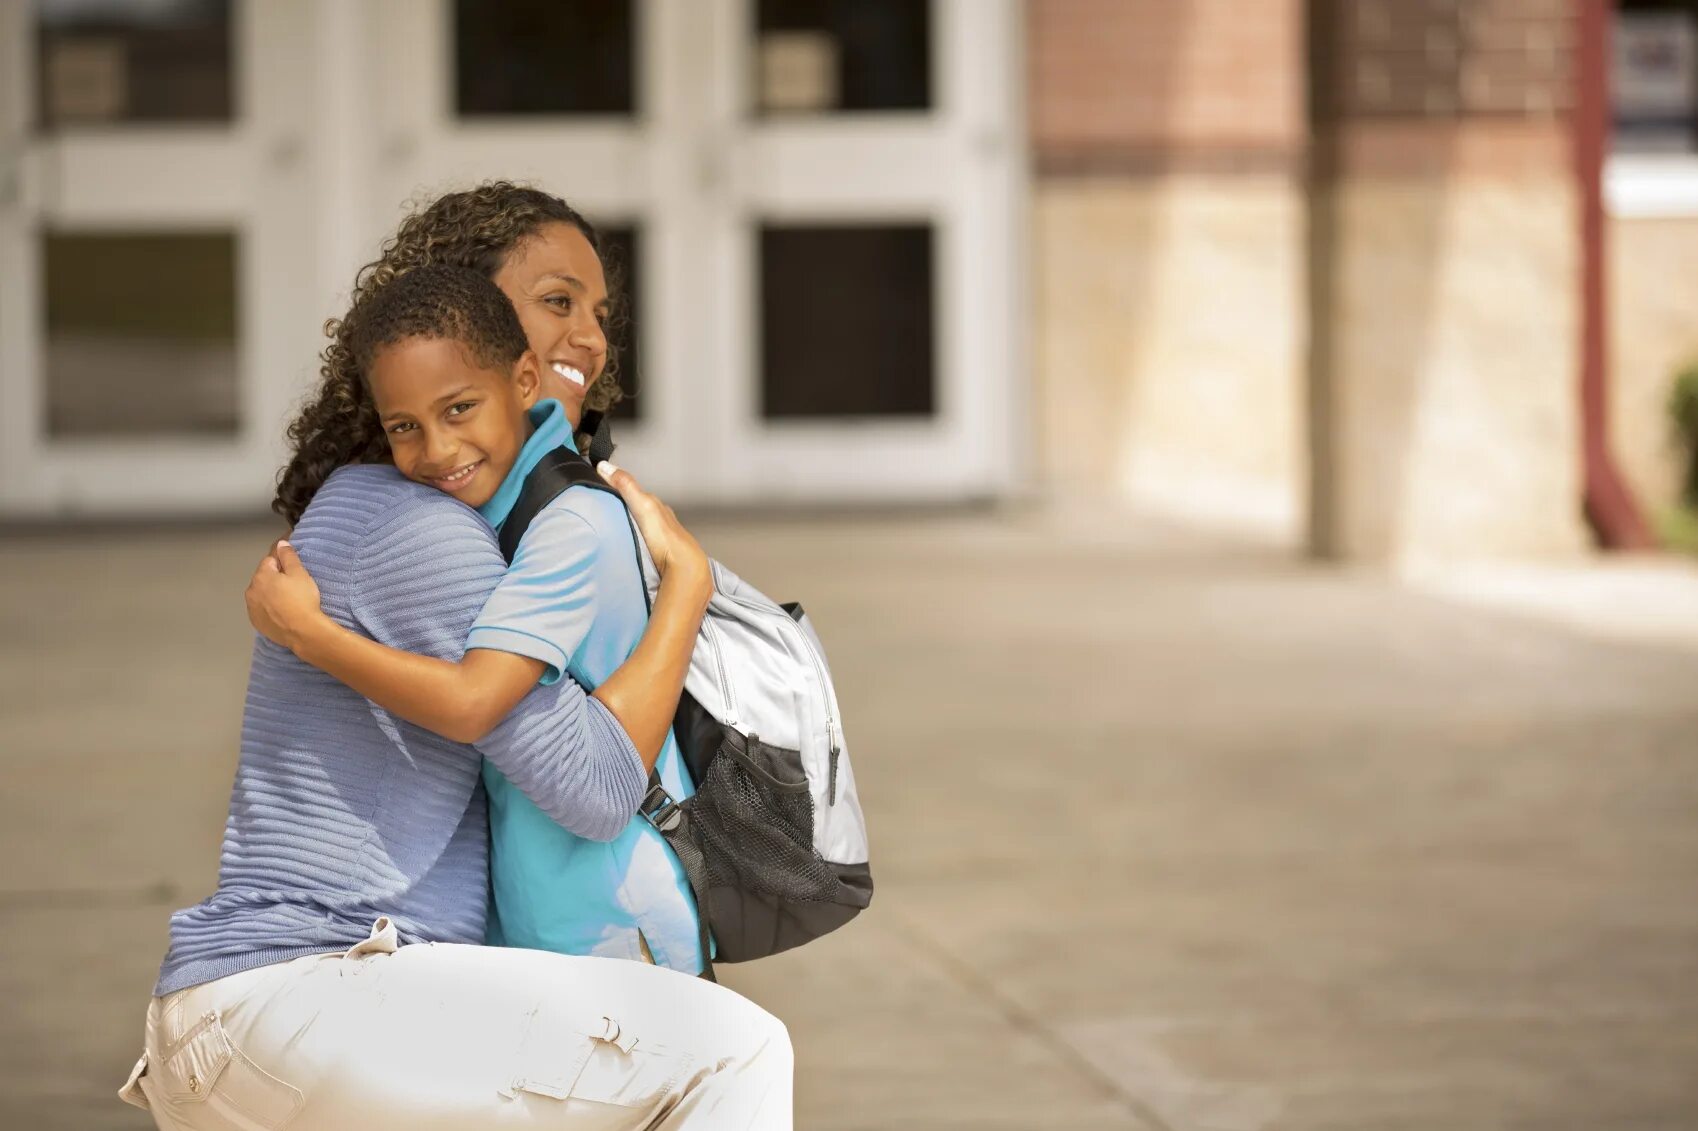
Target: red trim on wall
{"points": [[1609, 506]]}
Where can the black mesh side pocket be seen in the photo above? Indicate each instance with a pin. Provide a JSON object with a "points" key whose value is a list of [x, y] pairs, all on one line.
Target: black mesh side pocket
{"points": [[754, 820]]}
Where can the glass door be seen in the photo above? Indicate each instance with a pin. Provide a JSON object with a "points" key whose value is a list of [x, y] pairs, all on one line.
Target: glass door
{"points": [[156, 319], [863, 244], [814, 204]]}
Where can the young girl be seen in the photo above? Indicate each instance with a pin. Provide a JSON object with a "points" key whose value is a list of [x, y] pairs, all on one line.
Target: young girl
{"points": [[573, 601]]}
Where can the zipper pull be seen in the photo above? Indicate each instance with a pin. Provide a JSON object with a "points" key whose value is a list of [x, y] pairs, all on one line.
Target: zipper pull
{"points": [[836, 749]]}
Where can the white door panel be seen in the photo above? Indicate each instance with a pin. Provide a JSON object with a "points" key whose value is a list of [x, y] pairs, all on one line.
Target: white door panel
{"points": [[248, 178], [951, 168]]}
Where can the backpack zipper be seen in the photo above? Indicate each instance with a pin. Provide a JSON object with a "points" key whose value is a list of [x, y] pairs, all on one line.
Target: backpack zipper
{"points": [[832, 735], [833, 746], [711, 635]]}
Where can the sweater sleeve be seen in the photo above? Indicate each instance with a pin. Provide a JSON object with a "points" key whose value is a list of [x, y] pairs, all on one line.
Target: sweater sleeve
{"points": [[424, 572]]}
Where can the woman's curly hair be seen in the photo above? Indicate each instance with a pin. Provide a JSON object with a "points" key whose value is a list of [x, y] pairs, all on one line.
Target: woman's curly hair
{"points": [[476, 228]]}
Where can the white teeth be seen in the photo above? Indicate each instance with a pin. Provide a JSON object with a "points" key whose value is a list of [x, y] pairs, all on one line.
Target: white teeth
{"points": [[569, 373]]}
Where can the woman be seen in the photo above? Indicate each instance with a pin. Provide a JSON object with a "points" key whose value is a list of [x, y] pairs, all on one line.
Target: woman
{"points": [[299, 992], [552, 889]]}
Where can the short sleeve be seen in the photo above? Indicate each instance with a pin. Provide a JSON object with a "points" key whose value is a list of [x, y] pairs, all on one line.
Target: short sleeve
{"points": [[544, 606]]}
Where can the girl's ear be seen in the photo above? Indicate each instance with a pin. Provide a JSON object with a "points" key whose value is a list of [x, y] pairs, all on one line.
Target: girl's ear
{"points": [[527, 377]]}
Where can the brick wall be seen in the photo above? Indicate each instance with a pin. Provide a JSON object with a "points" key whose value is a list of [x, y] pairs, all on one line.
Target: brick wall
{"points": [[1449, 58], [1469, 88], [1158, 82]]}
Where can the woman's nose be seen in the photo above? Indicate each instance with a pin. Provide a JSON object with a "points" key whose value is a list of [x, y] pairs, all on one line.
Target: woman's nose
{"points": [[589, 337]]}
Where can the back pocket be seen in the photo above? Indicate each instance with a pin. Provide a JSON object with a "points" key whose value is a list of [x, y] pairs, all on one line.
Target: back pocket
{"points": [[206, 1071]]}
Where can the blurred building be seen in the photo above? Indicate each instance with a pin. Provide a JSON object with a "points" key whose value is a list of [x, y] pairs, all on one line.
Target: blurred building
{"points": [[1325, 266], [1340, 270]]}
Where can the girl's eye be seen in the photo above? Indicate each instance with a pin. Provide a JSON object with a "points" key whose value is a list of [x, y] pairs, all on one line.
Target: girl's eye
{"points": [[461, 408], [397, 429]]}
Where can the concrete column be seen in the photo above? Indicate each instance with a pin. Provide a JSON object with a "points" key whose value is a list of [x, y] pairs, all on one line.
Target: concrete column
{"points": [[1444, 258]]}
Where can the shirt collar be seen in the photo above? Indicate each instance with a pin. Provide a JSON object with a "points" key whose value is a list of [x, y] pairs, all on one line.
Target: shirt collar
{"points": [[549, 430]]}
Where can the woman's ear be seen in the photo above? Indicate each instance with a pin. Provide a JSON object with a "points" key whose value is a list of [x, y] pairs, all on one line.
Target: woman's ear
{"points": [[527, 377]]}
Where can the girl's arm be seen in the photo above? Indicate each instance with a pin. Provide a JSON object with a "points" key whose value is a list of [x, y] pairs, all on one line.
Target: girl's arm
{"points": [[463, 701]]}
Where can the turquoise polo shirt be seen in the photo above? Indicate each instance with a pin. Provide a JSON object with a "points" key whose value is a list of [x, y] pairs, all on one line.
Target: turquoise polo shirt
{"points": [[574, 599]]}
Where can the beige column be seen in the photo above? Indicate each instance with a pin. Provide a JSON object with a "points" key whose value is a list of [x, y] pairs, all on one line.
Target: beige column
{"points": [[1167, 254], [1444, 257]]}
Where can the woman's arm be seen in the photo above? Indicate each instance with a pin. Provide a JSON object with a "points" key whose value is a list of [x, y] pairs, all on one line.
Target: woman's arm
{"points": [[463, 701]]}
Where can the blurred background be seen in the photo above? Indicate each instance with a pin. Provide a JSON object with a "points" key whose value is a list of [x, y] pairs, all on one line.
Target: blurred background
{"points": [[1242, 456]]}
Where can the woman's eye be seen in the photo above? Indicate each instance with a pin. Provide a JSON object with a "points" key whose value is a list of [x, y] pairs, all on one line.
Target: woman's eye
{"points": [[559, 302]]}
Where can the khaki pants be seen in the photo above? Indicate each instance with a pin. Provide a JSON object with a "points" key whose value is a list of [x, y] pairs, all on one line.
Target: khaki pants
{"points": [[439, 1037]]}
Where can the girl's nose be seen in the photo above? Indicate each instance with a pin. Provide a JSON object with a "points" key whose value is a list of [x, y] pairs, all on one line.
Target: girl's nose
{"points": [[439, 448]]}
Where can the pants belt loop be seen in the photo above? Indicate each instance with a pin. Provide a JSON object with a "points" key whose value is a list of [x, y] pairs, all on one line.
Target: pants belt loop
{"points": [[383, 940]]}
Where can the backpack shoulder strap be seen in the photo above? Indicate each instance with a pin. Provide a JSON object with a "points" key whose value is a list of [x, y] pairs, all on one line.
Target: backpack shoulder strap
{"points": [[594, 425], [554, 473]]}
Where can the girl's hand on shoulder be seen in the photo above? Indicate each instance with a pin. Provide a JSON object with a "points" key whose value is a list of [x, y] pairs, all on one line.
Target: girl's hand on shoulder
{"points": [[675, 552], [282, 598]]}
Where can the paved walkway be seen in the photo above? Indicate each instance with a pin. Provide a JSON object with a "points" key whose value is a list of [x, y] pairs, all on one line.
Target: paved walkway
{"points": [[1169, 833]]}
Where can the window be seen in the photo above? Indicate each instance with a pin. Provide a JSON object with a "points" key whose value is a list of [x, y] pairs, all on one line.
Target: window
{"points": [[544, 57], [141, 334], [120, 61], [831, 56], [1654, 77], [846, 321]]}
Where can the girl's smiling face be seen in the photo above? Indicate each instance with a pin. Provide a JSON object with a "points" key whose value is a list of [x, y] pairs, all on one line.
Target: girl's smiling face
{"points": [[451, 423], [557, 285]]}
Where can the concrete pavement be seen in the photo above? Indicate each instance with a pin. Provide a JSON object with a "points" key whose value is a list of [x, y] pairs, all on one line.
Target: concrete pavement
{"points": [[1169, 832]]}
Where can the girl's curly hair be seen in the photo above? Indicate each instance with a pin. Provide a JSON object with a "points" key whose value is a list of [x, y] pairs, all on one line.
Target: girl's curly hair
{"points": [[476, 228]]}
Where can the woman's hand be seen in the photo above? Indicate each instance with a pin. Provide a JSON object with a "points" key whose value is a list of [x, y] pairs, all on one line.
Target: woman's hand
{"points": [[675, 552], [643, 693], [283, 598]]}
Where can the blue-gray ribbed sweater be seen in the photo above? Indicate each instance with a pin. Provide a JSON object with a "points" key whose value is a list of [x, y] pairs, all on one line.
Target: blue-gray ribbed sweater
{"points": [[342, 813]]}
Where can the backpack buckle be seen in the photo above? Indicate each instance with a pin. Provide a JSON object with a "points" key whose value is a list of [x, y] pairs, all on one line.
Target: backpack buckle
{"points": [[660, 810]]}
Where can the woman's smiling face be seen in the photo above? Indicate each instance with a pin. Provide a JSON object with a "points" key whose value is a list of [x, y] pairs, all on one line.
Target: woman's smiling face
{"points": [[557, 285]]}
